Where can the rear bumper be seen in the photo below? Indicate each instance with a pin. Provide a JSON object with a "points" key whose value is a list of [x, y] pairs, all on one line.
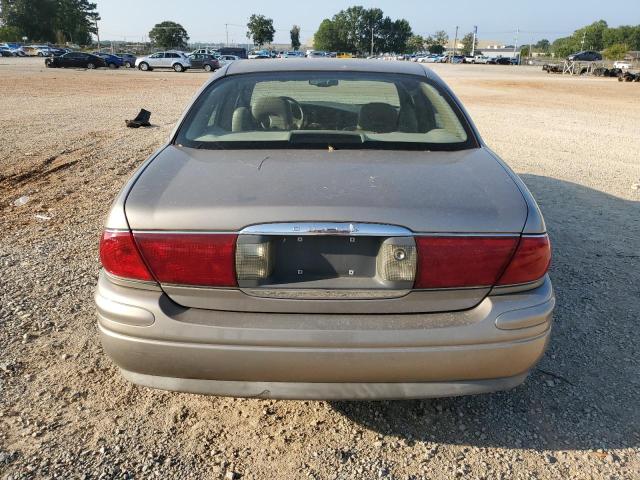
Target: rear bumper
{"points": [[162, 345]]}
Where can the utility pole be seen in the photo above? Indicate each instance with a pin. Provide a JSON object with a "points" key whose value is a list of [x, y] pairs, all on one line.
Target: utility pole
{"points": [[515, 47], [98, 34], [455, 42], [226, 26], [475, 35], [584, 37], [371, 26]]}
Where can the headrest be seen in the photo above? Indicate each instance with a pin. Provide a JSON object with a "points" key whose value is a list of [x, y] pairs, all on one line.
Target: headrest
{"points": [[378, 117], [272, 113]]}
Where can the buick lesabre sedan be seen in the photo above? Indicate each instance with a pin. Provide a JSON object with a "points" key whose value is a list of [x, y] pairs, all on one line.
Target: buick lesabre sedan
{"points": [[316, 229]]}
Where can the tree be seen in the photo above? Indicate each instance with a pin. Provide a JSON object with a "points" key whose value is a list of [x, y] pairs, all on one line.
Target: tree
{"points": [[75, 21], [616, 52], [10, 34], [543, 45], [326, 38], [357, 29], [397, 33], [260, 29], [169, 34], [437, 43], [295, 37], [50, 20], [415, 44], [32, 18], [468, 45]]}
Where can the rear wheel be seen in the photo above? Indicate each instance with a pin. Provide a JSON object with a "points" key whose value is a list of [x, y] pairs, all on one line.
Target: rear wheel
{"points": [[207, 68], [144, 66], [178, 68], [91, 66], [112, 66], [127, 65]]}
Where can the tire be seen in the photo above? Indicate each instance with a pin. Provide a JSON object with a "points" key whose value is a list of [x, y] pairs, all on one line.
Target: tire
{"points": [[48, 63], [40, 54], [144, 66], [127, 65], [91, 66], [112, 66], [178, 67], [207, 68]]}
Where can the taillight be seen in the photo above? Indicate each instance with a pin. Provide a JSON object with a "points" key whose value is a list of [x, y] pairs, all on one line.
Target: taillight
{"points": [[190, 258], [530, 262], [119, 256], [476, 261], [459, 262]]}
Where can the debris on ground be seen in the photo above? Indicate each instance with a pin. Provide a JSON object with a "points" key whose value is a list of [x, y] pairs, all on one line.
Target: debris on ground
{"points": [[141, 120], [21, 201]]}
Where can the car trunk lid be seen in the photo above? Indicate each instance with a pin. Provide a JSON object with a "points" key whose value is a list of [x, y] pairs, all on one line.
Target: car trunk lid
{"points": [[362, 199]]}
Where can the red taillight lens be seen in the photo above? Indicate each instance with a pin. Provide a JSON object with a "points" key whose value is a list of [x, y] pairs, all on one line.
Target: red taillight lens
{"points": [[120, 257], [458, 262], [190, 259], [530, 263]]}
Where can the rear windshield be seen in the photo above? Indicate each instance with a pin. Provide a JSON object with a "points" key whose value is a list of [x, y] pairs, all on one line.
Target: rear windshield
{"points": [[335, 109]]}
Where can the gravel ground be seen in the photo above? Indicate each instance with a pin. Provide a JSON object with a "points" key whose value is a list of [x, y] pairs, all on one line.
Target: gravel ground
{"points": [[65, 412]]}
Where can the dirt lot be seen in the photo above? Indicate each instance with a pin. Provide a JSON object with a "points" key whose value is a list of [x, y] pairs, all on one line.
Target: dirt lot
{"points": [[65, 411]]}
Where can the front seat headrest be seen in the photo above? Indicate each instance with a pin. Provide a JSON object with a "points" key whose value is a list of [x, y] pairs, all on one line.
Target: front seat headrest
{"points": [[272, 113], [378, 117], [242, 120]]}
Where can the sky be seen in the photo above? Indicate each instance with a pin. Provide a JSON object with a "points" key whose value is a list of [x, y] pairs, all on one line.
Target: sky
{"points": [[496, 19]]}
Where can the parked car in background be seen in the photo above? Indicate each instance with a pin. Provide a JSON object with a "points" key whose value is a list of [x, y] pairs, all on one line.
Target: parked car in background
{"points": [[112, 61], [14, 48], [6, 52], [585, 56], [469, 59], [622, 65], [204, 61], [259, 54], [317, 54], [58, 50], [217, 279], [344, 55], [503, 61], [292, 55], [129, 59], [239, 52], [75, 60], [480, 59], [224, 59], [205, 51], [38, 50], [174, 59], [456, 59]]}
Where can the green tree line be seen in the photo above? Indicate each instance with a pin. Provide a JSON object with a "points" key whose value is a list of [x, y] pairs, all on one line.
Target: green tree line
{"points": [[55, 21], [357, 28], [599, 37]]}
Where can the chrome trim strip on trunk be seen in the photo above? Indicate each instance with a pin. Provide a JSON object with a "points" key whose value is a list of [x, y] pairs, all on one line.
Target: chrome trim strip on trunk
{"points": [[327, 228]]}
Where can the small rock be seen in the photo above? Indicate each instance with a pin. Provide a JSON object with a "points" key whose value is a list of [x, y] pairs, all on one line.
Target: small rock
{"points": [[21, 201]]}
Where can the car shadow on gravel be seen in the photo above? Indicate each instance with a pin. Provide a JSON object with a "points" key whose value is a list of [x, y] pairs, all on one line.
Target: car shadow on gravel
{"points": [[584, 392]]}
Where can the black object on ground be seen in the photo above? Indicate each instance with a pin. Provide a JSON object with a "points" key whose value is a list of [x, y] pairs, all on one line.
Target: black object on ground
{"points": [[141, 120]]}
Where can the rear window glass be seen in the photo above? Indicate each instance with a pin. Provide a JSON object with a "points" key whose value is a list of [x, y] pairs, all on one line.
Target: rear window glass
{"points": [[358, 110]]}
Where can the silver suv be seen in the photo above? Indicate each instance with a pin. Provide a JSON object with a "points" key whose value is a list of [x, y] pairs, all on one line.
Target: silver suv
{"points": [[170, 59]]}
